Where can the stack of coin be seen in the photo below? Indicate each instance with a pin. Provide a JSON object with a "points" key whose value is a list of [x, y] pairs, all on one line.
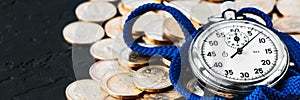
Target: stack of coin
{"points": [[121, 73], [131, 60], [289, 17]]}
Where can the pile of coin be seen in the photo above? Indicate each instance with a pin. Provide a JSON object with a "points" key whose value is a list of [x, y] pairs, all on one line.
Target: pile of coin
{"points": [[289, 17], [121, 73]]}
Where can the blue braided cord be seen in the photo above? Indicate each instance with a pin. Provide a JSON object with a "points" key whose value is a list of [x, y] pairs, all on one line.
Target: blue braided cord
{"points": [[257, 12], [165, 51]]}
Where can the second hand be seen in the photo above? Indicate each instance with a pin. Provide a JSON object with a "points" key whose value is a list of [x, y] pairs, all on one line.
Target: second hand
{"points": [[240, 50]]}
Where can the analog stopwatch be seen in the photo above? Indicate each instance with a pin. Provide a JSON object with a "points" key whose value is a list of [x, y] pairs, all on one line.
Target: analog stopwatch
{"points": [[233, 55]]}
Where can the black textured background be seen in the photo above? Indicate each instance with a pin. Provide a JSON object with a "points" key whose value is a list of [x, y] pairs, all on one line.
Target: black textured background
{"points": [[35, 60]]}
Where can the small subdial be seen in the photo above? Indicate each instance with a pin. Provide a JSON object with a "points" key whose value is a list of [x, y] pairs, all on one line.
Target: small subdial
{"points": [[236, 39]]}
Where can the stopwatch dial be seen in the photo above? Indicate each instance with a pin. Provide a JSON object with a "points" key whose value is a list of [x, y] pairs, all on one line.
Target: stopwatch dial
{"points": [[235, 38], [242, 53]]}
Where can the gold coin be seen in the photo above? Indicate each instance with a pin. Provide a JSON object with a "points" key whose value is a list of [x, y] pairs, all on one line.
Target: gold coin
{"points": [[195, 24], [296, 37], [156, 42], [113, 27], [194, 87], [123, 10], [95, 11], [185, 6], [107, 49], [82, 32], [169, 95], [275, 17], [153, 78], [264, 5], [172, 30], [132, 4], [86, 89], [98, 69], [120, 85], [131, 59], [202, 11], [288, 24], [289, 7]]}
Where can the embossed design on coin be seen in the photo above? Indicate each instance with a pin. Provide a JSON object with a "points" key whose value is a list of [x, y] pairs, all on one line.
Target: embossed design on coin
{"points": [[129, 58], [152, 78]]}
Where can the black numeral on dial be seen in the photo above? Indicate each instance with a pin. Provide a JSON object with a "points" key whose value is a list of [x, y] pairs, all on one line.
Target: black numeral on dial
{"points": [[258, 70], [268, 51], [234, 30], [265, 62], [218, 64], [244, 74], [228, 72], [213, 43], [211, 54], [262, 40], [249, 33], [220, 35]]}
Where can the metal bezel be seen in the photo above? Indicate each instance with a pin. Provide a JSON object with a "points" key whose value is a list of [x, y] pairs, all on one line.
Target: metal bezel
{"points": [[201, 70]]}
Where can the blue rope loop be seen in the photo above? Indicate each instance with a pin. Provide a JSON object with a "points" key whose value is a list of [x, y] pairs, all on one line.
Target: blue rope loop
{"points": [[257, 12], [288, 88], [165, 51]]}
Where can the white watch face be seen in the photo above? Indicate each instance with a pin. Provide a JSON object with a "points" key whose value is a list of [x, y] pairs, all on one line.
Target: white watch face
{"points": [[238, 51]]}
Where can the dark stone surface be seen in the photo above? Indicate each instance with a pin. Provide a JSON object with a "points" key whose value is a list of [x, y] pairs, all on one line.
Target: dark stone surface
{"points": [[35, 60]]}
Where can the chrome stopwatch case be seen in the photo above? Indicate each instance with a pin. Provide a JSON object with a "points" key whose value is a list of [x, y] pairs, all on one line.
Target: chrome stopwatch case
{"points": [[234, 55]]}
